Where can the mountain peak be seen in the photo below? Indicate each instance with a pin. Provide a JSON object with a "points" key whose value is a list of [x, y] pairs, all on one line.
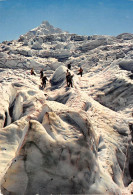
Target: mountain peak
{"points": [[45, 23], [44, 29]]}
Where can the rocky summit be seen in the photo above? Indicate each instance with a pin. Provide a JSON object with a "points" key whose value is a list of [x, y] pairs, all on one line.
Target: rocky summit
{"points": [[62, 139]]}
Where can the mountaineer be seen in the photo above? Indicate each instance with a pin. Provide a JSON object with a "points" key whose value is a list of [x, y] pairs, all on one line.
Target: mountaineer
{"points": [[69, 66], [32, 72], [69, 79], [80, 71], [41, 74], [44, 79]]}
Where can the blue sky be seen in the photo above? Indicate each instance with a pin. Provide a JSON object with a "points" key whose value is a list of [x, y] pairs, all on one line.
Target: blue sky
{"points": [[84, 17]]}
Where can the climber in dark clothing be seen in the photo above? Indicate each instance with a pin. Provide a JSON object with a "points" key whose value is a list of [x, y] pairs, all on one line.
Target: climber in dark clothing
{"points": [[69, 79], [32, 72], [69, 66], [44, 79], [67, 76], [80, 71], [41, 74]]}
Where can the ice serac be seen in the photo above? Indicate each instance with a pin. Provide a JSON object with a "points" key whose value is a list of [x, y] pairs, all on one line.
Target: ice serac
{"points": [[59, 155], [62, 140]]}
